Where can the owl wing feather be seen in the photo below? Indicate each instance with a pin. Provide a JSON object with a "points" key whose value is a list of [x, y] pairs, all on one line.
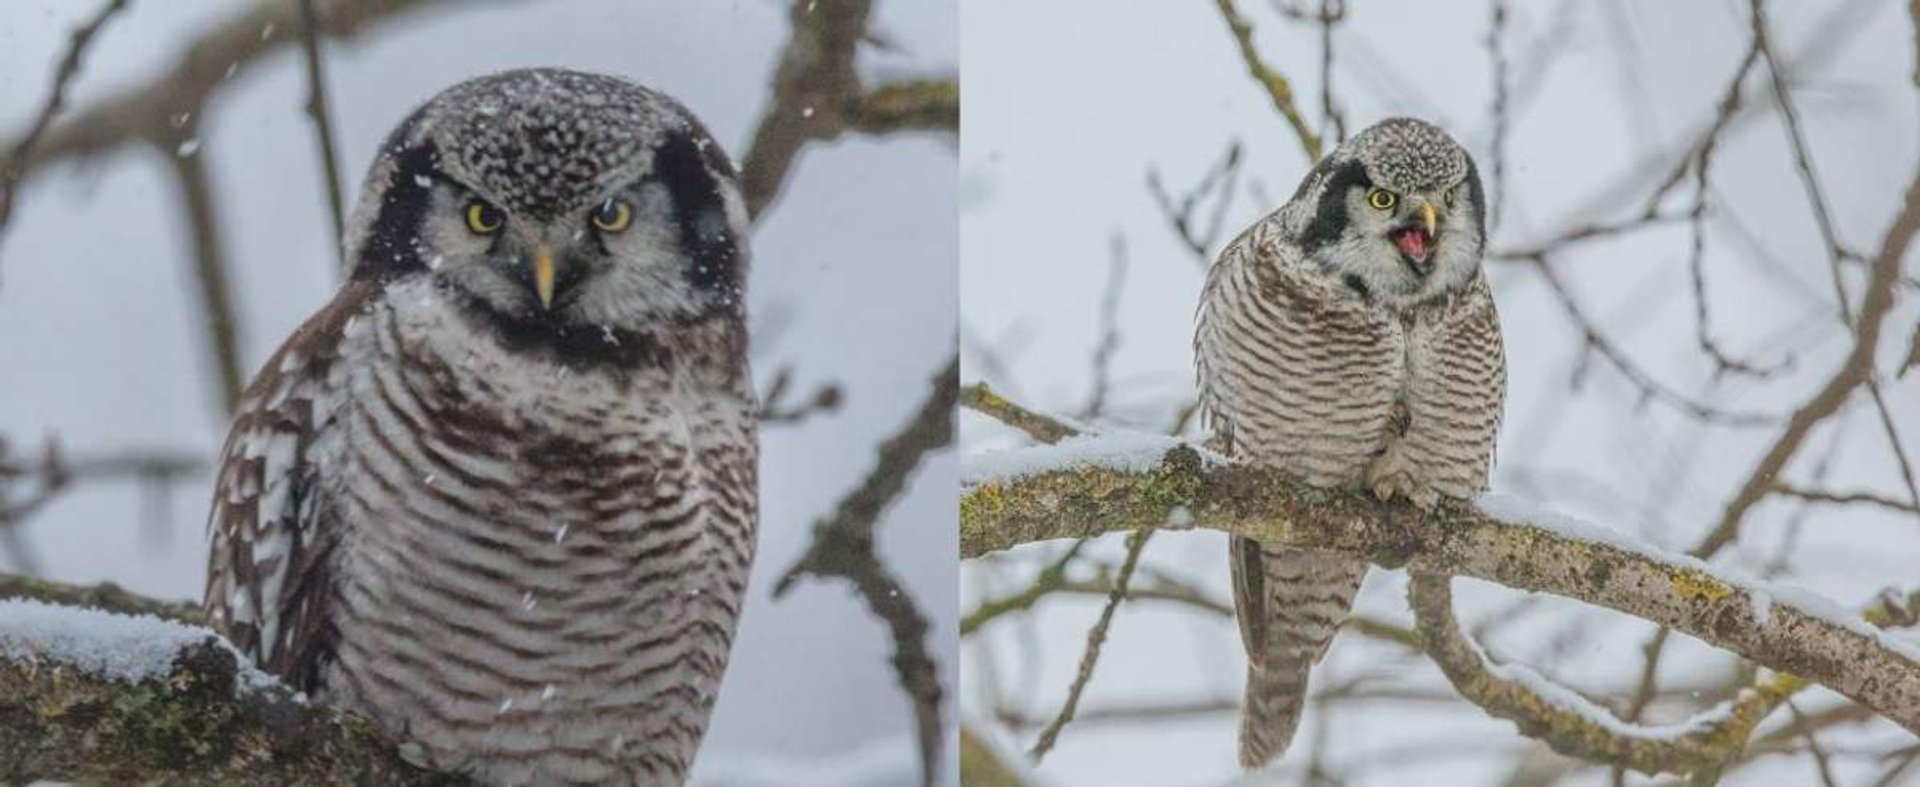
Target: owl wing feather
{"points": [[1257, 347], [272, 535]]}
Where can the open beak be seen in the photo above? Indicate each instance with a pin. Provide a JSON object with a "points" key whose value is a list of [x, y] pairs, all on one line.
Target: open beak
{"points": [[543, 275], [1416, 240]]}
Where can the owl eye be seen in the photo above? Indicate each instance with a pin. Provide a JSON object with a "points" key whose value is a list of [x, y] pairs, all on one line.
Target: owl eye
{"points": [[484, 219], [613, 216], [1382, 199], [1448, 196]]}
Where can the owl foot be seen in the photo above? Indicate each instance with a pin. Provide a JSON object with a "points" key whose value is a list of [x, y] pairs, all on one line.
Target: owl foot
{"points": [[1392, 475]]}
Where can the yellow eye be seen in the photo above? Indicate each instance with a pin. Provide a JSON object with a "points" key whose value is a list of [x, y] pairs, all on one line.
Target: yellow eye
{"points": [[1382, 199], [614, 216], [1448, 197], [484, 219]]}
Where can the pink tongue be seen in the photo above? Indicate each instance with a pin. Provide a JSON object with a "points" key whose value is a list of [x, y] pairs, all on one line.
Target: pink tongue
{"points": [[1413, 243]]}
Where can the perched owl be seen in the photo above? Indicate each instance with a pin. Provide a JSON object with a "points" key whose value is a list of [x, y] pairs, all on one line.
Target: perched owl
{"points": [[499, 495], [1348, 338]]}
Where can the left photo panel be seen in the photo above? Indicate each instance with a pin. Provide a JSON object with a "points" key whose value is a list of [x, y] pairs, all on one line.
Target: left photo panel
{"points": [[496, 393]]}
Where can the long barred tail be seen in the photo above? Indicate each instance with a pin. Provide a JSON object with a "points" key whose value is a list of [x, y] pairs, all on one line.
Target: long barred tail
{"points": [[1290, 604]]}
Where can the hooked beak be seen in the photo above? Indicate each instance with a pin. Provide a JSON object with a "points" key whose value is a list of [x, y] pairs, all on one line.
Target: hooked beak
{"points": [[543, 275], [1427, 218]]}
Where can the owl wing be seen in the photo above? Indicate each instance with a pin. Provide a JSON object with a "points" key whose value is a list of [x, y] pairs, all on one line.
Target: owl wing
{"points": [[1288, 602], [272, 536]]}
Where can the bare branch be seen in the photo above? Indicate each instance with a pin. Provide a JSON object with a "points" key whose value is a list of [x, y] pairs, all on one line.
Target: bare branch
{"points": [[817, 96], [149, 111], [16, 162], [1109, 341], [1496, 52], [1278, 89], [1842, 498], [1097, 636], [1648, 386], [322, 118], [1854, 372], [1046, 429], [843, 546], [210, 267]]}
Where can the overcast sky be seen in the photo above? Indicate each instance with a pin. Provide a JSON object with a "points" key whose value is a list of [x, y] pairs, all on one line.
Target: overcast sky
{"points": [[1069, 102], [854, 270]]}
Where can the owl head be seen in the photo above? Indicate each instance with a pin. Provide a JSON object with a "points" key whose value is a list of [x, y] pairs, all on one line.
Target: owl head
{"points": [[556, 202], [1397, 212]]}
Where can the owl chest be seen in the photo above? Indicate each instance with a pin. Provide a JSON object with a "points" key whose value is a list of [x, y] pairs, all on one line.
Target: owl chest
{"points": [[1342, 386]]}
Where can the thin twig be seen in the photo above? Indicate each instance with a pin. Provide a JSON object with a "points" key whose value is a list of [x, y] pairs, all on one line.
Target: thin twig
{"points": [[322, 118], [775, 409], [1218, 183], [1331, 14], [1109, 340], [1857, 368], [1842, 498], [843, 547], [1278, 89], [1648, 386], [1496, 35], [1820, 760], [210, 264], [1096, 637], [981, 399], [16, 163]]}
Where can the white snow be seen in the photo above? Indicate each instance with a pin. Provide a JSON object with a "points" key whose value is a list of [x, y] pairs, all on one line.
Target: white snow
{"points": [[1574, 702], [1124, 451], [131, 648]]}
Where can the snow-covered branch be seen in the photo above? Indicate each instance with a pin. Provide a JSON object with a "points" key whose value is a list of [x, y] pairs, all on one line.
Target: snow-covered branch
{"points": [[1091, 485], [93, 696]]}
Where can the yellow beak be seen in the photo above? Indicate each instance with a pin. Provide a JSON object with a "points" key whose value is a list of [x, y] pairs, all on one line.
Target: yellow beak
{"points": [[543, 275], [1426, 215]]}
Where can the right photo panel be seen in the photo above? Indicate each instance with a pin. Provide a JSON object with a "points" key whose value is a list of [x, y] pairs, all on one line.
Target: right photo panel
{"points": [[1485, 393]]}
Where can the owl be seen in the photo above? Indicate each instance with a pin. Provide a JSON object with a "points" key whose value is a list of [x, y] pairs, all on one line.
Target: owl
{"points": [[499, 494], [1350, 339]]}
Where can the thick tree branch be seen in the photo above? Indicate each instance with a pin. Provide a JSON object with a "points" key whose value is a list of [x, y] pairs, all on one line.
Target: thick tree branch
{"points": [[817, 95], [206, 718], [1774, 627]]}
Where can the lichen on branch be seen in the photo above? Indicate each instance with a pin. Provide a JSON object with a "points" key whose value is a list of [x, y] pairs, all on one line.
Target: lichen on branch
{"points": [[1499, 540]]}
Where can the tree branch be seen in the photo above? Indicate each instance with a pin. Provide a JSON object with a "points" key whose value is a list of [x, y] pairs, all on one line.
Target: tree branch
{"points": [[147, 112], [1501, 541], [843, 546], [322, 118], [1853, 372], [1043, 428], [1278, 89], [205, 717], [817, 96], [15, 168]]}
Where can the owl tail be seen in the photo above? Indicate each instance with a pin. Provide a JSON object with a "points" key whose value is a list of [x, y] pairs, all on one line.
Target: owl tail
{"points": [[1290, 603]]}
